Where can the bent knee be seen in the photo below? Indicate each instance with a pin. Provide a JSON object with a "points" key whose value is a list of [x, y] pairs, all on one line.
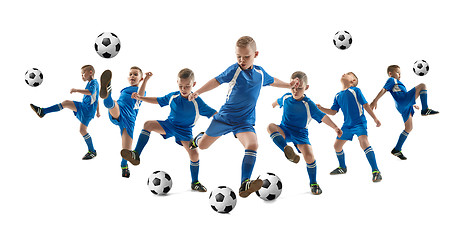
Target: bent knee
{"points": [[272, 128]]}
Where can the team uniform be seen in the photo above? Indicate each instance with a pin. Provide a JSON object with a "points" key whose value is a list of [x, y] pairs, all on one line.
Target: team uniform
{"points": [[184, 114], [404, 100], [296, 118], [129, 108], [238, 113], [351, 102]]}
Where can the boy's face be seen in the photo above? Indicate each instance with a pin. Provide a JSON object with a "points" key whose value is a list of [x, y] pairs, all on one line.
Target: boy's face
{"points": [[185, 86], [298, 90], [134, 77], [348, 80], [86, 75], [245, 57], [395, 73]]}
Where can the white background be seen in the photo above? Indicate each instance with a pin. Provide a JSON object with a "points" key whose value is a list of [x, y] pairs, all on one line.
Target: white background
{"points": [[48, 192]]}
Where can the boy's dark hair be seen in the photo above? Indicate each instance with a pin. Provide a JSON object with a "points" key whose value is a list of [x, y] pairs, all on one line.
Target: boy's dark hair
{"points": [[392, 68], [139, 69], [301, 75], [186, 74], [88, 68], [246, 41]]}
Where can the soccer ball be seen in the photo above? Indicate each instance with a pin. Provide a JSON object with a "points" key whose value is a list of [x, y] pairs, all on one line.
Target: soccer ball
{"points": [[342, 40], [420, 67], [159, 182], [271, 188], [107, 45], [33, 77], [223, 199]]}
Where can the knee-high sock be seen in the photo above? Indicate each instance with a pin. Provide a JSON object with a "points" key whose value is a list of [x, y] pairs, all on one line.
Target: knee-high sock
{"points": [[248, 163], [423, 96], [194, 168], [53, 108], [371, 158], [89, 142], [312, 171], [401, 140], [279, 140], [341, 158], [142, 141]]}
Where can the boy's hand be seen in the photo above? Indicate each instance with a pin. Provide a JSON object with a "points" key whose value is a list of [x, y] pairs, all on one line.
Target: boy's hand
{"points": [[319, 106], [192, 96], [377, 122], [98, 114], [73, 90], [338, 132], [416, 106], [373, 105], [294, 83], [148, 75], [136, 96]]}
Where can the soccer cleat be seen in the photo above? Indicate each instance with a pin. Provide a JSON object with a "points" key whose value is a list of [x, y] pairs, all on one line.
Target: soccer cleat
{"points": [[427, 112], [90, 155], [399, 154], [131, 156], [315, 189], [194, 141], [376, 176], [198, 187], [37, 110], [291, 155], [338, 170], [247, 187], [106, 88], [125, 172]]}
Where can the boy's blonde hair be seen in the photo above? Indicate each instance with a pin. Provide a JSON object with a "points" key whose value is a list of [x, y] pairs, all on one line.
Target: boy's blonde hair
{"points": [[246, 41], [186, 74], [301, 75], [392, 68], [137, 68], [88, 68]]}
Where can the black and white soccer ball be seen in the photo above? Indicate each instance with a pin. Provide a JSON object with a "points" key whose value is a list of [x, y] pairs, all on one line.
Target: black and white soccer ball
{"points": [[342, 40], [107, 45], [33, 77], [223, 199], [420, 67], [159, 183], [271, 188]]}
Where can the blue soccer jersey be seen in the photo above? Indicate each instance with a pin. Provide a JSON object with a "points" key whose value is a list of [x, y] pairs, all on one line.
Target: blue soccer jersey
{"points": [[395, 87], [350, 101], [404, 100], [129, 107], [298, 114], [90, 101], [185, 113], [244, 89]]}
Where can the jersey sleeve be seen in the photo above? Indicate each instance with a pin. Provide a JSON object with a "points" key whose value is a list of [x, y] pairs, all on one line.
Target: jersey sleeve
{"points": [[204, 109], [164, 101], [280, 100], [336, 105], [389, 84], [362, 100], [267, 79], [93, 87], [228, 74], [315, 113]]}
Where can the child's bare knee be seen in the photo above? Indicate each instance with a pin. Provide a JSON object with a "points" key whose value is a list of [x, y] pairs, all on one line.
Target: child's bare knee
{"points": [[422, 86], [271, 128], [147, 125]]}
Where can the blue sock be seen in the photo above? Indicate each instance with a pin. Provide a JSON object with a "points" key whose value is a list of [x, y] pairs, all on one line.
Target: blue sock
{"points": [[341, 158], [142, 141], [401, 140], [89, 142], [123, 164], [312, 171], [109, 102], [278, 139], [53, 108], [423, 96], [371, 158], [194, 168], [248, 164]]}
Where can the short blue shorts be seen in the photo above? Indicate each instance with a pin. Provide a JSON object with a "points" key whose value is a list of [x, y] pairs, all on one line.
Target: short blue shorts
{"points": [[405, 104], [81, 113], [123, 123], [357, 130], [296, 136], [180, 134], [218, 128]]}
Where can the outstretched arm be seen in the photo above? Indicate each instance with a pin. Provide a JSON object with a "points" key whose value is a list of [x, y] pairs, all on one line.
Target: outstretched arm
{"points": [[372, 114], [141, 90], [152, 100], [373, 104], [82, 91], [326, 110], [280, 84], [274, 104], [326, 119], [210, 85]]}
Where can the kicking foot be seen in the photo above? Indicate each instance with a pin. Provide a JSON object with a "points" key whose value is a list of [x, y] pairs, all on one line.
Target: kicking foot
{"points": [[427, 112], [291, 155], [399, 154], [131, 156], [247, 187], [37, 110], [106, 87], [194, 141]]}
